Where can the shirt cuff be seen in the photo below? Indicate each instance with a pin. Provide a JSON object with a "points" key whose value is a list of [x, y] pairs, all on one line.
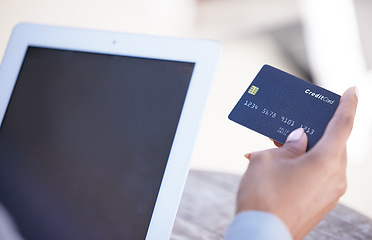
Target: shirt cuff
{"points": [[257, 225]]}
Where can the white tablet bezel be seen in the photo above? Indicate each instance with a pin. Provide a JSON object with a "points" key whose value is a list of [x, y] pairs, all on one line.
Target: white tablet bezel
{"points": [[204, 53]]}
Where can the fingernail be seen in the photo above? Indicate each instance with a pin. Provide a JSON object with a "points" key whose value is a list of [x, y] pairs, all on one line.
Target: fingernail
{"points": [[248, 155], [356, 91], [295, 135]]}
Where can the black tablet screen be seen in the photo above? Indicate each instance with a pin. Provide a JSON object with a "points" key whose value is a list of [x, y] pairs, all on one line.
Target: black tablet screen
{"points": [[85, 141]]}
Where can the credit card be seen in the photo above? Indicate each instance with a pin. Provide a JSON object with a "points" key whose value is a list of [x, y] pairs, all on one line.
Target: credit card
{"points": [[276, 103]]}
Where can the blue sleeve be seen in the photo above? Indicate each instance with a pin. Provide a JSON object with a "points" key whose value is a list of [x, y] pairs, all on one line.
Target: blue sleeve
{"points": [[257, 225]]}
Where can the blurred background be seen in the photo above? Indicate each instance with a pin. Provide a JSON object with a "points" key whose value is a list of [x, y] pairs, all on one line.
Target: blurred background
{"points": [[327, 42]]}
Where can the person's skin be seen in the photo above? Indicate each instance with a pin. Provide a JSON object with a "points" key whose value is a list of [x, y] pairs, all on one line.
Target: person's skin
{"points": [[297, 186]]}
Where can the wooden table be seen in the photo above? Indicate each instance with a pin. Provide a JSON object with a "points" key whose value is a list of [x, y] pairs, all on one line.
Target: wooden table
{"points": [[208, 203]]}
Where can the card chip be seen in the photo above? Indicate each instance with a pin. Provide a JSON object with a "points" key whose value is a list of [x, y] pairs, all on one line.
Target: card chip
{"points": [[253, 90]]}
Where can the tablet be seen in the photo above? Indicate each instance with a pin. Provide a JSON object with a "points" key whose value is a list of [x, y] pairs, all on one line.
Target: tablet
{"points": [[98, 129]]}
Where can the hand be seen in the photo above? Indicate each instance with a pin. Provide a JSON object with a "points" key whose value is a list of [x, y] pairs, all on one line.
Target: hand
{"points": [[297, 186]]}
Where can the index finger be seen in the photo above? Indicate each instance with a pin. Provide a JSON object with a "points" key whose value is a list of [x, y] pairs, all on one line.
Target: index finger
{"points": [[339, 128]]}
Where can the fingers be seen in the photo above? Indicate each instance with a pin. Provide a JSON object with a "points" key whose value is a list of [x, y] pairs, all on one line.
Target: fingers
{"points": [[295, 145], [278, 144], [341, 124], [343, 158]]}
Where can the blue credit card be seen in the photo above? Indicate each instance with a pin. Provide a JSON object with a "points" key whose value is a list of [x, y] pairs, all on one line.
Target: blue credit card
{"points": [[276, 103]]}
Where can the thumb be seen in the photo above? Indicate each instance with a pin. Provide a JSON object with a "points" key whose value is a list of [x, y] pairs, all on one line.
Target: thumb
{"points": [[295, 144]]}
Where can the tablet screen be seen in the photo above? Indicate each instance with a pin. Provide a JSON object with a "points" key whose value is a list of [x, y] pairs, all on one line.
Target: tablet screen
{"points": [[85, 141]]}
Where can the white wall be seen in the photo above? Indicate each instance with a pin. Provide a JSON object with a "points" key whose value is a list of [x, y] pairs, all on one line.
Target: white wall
{"points": [[161, 17]]}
